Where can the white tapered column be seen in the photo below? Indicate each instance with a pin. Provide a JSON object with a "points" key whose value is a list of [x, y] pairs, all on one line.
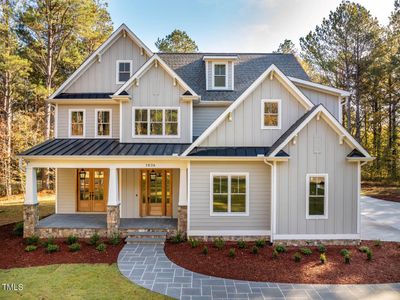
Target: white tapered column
{"points": [[31, 205], [30, 186], [113, 210]]}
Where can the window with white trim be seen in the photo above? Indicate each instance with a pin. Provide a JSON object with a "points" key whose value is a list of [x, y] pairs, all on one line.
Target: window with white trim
{"points": [[156, 122], [229, 194], [317, 196], [76, 123], [271, 114], [219, 71], [103, 122], [124, 70]]}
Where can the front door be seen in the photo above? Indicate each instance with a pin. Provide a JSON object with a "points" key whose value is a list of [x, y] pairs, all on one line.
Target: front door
{"points": [[92, 190], [156, 193]]}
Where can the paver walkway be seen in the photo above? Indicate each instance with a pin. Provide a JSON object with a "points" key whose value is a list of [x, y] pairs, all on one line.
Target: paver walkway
{"points": [[148, 266]]}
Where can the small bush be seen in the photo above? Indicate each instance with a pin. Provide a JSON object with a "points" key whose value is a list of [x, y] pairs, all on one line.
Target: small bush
{"points": [[219, 243], [363, 249], [74, 247], [205, 250], [306, 251], [114, 239], [94, 239], [178, 238], [378, 243], [260, 243], [322, 258], [50, 241], [241, 244], [232, 252], [347, 258], [52, 248], [369, 255], [297, 257], [280, 248], [344, 252], [30, 248], [72, 239], [194, 243], [32, 240], [275, 254], [254, 250], [18, 229], [321, 248], [101, 247]]}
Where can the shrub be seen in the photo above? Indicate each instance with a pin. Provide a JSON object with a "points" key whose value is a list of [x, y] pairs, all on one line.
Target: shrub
{"points": [[114, 239], [322, 258], [50, 241], [363, 249], [347, 258], [232, 252], [52, 248], [344, 252], [254, 250], [297, 257], [32, 240], [18, 229], [280, 248], [219, 243], [205, 250], [101, 247], [30, 248], [378, 243], [321, 248], [241, 244], [260, 243], [94, 239], [369, 255], [74, 247], [194, 243], [72, 239], [306, 251], [178, 238]]}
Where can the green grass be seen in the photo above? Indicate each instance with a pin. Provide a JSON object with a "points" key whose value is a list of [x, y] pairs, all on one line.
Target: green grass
{"points": [[72, 281]]}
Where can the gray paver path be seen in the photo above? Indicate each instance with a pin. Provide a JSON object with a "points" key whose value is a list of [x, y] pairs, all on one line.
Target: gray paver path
{"points": [[148, 266]]}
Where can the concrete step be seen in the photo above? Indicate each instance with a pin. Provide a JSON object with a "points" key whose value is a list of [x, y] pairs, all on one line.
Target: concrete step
{"points": [[147, 234], [144, 240]]}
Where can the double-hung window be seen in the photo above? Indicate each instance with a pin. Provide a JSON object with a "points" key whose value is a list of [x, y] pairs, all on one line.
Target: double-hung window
{"points": [[103, 123], [271, 114], [219, 79], [77, 123], [156, 122], [229, 194], [317, 196], [124, 71]]}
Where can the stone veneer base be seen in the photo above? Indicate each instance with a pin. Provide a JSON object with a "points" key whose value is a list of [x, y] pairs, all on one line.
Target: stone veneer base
{"points": [[182, 219], [113, 220], [31, 219], [317, 242]]}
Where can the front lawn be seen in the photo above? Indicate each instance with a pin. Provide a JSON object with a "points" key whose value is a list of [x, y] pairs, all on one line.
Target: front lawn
{"points": [[381, 191], [72, 281]]}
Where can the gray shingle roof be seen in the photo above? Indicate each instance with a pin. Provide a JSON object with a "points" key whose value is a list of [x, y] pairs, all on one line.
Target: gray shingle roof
{"points": [[249, 66]]}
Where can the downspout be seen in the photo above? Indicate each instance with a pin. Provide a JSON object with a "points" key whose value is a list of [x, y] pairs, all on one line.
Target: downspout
{"points": [[273, 197]]}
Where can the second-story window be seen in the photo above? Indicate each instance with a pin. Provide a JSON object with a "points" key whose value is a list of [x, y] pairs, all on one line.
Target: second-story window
{"points": [[271, 114], [103, 123], [156, 122], [76, 123], [124, 70], [219, 76]]}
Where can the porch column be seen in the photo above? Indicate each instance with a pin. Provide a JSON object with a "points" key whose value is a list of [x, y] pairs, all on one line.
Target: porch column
{"points": [[182, 204], [31, 205], [113, 203]]}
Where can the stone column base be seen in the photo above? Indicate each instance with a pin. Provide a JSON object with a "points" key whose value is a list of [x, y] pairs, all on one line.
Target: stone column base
{"points": [[31, 219], [182, 219], [113, 220]]}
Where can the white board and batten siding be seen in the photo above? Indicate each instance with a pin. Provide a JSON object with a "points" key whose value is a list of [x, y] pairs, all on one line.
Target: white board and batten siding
{"points": [[259, 198], [66, 191], [229, 74], [90, 119], [204, 116], [100, 77], [245, 127], [317, 150], [331, 102], [156, 89]]}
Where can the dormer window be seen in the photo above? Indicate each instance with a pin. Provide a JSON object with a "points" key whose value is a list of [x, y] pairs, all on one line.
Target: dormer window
{"points": [[219, 75], [124, 71], [219, 71]]}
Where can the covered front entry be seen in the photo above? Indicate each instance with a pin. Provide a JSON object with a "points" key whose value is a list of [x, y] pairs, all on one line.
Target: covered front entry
{"points": [[92, 190], [156, 193]]}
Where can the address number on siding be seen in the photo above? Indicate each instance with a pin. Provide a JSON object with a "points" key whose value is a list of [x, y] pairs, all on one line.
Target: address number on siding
{"points": [[150, 165]]}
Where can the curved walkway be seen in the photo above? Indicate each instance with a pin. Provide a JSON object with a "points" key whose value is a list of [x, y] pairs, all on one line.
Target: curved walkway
{"points": [[148, 266]]}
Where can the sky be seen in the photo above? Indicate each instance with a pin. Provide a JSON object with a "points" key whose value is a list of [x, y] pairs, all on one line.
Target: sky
{"points": [[231, 25]]}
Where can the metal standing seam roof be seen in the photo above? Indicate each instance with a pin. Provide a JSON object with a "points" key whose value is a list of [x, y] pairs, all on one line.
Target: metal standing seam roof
{"points": [[355, 153], [233, 151], [84, 96]]}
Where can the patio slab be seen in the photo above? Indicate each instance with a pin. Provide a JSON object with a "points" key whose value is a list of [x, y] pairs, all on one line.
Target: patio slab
{"points": [[74, 221]]}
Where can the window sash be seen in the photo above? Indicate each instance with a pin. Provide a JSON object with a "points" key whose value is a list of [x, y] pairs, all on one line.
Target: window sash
{"points": [[77, 125], [219, 75], [271, 113], [124, 71], [103, 123], [317, 190], [156, 122]]}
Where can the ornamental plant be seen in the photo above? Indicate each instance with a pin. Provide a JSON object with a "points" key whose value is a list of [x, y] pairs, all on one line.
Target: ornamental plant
{"points": [[232, 253], [30, 248], [74, 247], [32, 240], [347, 258], [369, 255], [297, 257], [254, 250], [306, 251], [101, 247], [18, 229], [241, 244], [194, 243], [72, 239], [322, 258], [363, 249], [344, 252], [51, 248], [280, 248], [260, 243], [205, 250], [178, 238], [114, 239], [321, 248], [50, 241], [275, 254], [219, 243], [94, 239]]}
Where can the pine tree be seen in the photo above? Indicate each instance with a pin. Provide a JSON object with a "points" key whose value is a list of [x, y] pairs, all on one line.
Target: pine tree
{"points": [[177, 41]]}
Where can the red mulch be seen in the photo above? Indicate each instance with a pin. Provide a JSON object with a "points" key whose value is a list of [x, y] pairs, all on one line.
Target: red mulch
{"points": [[13, 255], [384, 267]]}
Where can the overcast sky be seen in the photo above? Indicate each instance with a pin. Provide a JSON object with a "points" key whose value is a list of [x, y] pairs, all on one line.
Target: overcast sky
{"points": [[231, 25]]}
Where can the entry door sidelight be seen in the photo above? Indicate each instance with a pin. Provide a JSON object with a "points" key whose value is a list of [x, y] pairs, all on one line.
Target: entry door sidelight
{"points": [[92, 190]]}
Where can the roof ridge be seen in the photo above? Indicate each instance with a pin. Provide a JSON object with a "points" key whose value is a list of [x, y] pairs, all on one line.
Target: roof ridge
{"points": [[223, 53]]}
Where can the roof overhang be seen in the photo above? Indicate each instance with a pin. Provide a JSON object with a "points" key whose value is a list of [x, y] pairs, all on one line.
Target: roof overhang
{"points": [[220, 57], [357, 159], [320, 87], [83, 101]]}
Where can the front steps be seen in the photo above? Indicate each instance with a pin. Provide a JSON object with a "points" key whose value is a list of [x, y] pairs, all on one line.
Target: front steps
{"points": [[146, 237]]}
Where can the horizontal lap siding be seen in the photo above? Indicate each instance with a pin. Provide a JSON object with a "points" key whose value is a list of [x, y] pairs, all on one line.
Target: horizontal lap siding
{"points": [[203, 117], [259, 200], [66, 191]]}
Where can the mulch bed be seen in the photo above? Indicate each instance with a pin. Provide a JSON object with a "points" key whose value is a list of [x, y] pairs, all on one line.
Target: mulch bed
{"points": [[384, 267], [13, 254]]}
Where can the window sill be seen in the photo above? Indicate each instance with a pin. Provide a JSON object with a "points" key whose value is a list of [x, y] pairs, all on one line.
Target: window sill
{"points": [[229, 214], [155, 136], [317, 217], [271, 127]]}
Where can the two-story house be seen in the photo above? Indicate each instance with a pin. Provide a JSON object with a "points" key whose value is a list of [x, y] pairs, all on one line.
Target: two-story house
{"points": [[238, 145]]}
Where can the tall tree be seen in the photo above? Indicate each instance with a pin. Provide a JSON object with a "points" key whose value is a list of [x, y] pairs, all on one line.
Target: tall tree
{"points": [[177, 41], [287, 47]]}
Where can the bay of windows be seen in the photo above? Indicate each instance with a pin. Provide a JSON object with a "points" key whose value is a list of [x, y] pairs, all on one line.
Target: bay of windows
{"points": [[156, 122]]}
